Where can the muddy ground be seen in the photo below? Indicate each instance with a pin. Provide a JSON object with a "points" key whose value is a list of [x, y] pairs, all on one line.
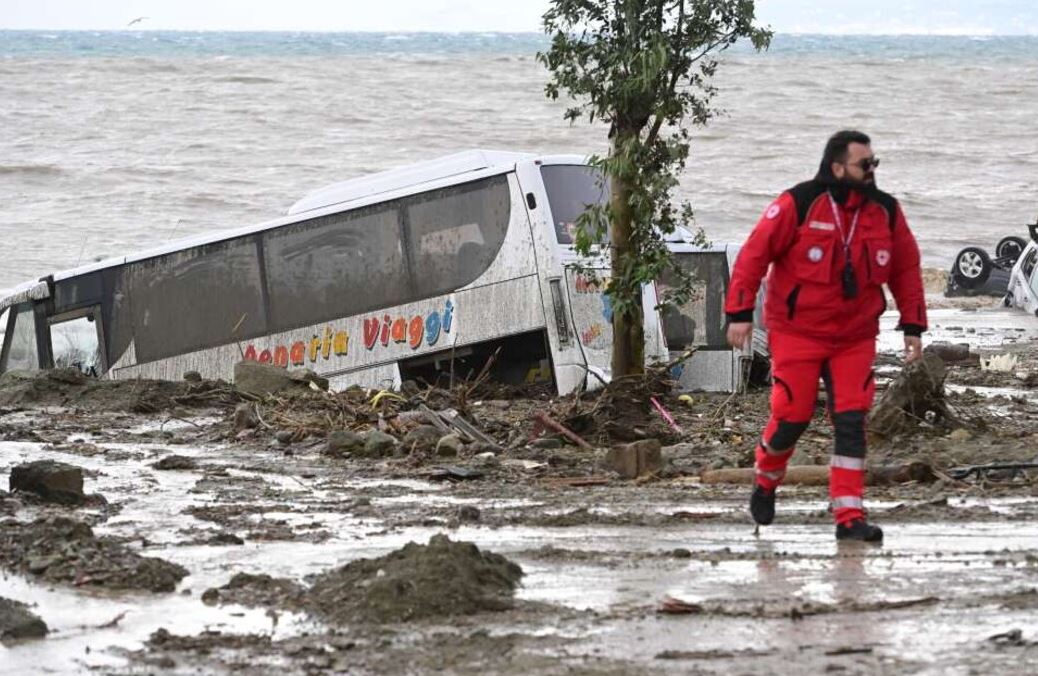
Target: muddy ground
{"points": [[268, 549]]}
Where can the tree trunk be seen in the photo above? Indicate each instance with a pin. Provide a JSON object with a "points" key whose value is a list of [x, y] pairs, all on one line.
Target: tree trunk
{"points": [[628, 320]]}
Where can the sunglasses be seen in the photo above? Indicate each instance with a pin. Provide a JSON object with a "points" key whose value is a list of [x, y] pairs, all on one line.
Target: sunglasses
{"points": [[867, 163]]}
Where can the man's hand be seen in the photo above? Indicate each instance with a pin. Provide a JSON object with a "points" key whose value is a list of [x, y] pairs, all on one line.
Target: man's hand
{"points": [[913, 348], [739, 334]]}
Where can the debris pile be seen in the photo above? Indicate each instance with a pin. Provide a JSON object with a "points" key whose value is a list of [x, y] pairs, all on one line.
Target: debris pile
{"points": [[916, 395], [59, 549], [441, 579], [70, 387]]}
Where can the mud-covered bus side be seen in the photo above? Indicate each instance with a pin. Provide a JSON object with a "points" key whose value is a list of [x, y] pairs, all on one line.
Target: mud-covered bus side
{"points": [[413, 273]]}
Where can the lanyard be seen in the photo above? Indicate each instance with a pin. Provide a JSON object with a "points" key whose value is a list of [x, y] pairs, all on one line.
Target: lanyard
{"points": [[839, 224]]}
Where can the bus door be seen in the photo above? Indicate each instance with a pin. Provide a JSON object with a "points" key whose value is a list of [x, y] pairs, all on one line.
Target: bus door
{"points": [[569, 360], [77, 340], [21, 343]]}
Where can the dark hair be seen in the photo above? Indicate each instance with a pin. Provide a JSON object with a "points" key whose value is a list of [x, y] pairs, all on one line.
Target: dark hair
{"points": [[836, 151]]}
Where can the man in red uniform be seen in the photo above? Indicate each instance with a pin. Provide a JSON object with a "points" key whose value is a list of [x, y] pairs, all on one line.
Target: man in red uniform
{"points": [[831, 244]]}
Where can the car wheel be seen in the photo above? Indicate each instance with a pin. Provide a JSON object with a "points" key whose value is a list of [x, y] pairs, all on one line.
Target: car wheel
{"points": [[1010, 248], [972, 267]]}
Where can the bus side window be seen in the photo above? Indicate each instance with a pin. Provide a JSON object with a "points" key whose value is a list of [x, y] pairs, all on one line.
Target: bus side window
{"points": [[335, 266], [455, 233], [20, 351]]}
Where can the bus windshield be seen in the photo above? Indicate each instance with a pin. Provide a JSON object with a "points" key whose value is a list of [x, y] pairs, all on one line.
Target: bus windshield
{"points": [[571, 190]]}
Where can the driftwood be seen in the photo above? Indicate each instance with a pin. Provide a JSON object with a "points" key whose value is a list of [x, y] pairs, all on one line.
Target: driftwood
{"points": [[917, 394], [818, 475]]}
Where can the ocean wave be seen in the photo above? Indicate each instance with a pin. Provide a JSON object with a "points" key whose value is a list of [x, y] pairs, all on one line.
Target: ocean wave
{"points": [[30, 169], [247, 79]]}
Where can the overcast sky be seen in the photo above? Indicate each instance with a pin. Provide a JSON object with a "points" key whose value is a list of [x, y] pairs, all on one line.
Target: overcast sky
{"points": [[961, 17]]}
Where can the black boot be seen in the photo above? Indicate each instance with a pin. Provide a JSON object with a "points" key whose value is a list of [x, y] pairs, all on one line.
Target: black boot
{"points": [[762, 505], [859, 529]]}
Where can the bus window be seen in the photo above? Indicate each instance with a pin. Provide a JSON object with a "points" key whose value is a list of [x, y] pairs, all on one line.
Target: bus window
{"points": [[699, 322], [455, 233], [335, 266], [74, 344], [20, 347], [196, 298], [571, 190]]}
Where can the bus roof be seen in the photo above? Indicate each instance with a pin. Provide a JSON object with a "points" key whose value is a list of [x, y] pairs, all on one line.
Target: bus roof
{"points": [[409, 176], [337, 196]]}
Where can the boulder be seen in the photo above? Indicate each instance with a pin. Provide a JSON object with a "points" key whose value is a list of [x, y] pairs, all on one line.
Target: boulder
{"points": [[52, 481], [263, 379], [193, 377], [16, 622], [378, 444], [343, 443], [176, 462], [449, 446], [422, 438], [636, 459]]}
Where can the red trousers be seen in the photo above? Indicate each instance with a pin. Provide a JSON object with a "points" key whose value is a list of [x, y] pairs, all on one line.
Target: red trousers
{"points": [[797, 362]]}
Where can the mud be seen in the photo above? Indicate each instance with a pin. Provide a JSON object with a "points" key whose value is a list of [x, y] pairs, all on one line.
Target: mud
{"points": [[283, 542], [69, 387], [60, 549], [440, 579]]}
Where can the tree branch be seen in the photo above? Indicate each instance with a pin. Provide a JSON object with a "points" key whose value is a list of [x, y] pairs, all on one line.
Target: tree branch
{"points": [[674, 76]]}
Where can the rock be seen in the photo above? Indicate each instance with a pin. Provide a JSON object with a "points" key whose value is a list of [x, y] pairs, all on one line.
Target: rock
{"points": [[343, 443], [263, 379], [176, 462], [245, 418], [284, 436], [636, 459], [52, 481], [306, 376], [547, 443], [377, 444], [960, 435], [468, 514], [225, 539], [950, 352], [16, 622], [449, 446], [409, 388], [422, 438], [681, 553], [193, 377]]}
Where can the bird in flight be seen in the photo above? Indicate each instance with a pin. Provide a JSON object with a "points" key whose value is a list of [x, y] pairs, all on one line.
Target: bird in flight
{"points": [[137, 20]]}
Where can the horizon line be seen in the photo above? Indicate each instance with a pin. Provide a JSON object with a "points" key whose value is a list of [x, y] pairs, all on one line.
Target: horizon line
{"points": [[939, 34]]}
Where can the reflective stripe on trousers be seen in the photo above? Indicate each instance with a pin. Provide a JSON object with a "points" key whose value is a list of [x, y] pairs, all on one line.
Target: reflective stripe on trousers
{"points": [[847, 502]]}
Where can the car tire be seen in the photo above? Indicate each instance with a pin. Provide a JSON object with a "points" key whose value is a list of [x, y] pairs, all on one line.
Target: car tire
{"points": [[972, 267], [1010, 248]]}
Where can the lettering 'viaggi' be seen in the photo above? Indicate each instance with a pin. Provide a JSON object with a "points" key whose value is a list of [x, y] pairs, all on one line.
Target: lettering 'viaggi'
{"points": [[414, 331]]}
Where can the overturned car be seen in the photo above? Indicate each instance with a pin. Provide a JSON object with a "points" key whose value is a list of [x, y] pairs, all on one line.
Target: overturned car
{"points": [[975, 272]]}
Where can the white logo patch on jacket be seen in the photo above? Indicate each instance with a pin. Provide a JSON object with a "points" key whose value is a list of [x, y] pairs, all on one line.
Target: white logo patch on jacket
{"points": [[773, 211], [882, 258], [819, 225]]}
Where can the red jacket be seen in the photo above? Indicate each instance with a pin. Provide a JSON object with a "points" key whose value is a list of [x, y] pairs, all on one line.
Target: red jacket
{"points": [[806, 253]]}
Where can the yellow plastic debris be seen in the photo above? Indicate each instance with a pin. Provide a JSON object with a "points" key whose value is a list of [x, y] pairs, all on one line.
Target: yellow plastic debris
{"points": [[384, 394], [687, 400]]}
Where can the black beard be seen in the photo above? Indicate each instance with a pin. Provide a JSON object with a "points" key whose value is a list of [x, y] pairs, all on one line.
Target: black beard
{"points": [[842, 187]]}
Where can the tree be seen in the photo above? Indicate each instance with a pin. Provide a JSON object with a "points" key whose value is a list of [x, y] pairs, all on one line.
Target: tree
{"points": [[645, 68]]}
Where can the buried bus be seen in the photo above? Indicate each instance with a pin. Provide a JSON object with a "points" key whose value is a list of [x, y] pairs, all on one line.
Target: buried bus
{"points": [[412, 273]]}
